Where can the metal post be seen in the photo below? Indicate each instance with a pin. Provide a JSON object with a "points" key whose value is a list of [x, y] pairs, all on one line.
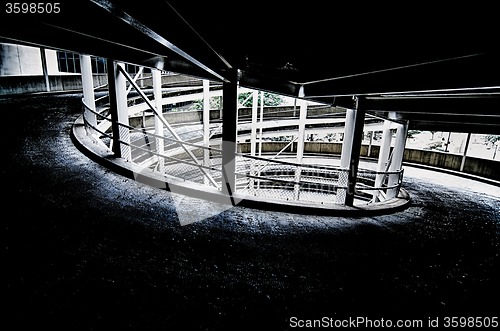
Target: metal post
{"points": [[355, 149], [302, 126], [447, 142], [462, 165], [383, 157], [160, 144], [369, 153], [345, 157], [261, 121], [88, 87], [253, 135], [44, 68], [206, 126], [300, 141], [119, 112], [206, 112], [229, 132], [397, 159]]}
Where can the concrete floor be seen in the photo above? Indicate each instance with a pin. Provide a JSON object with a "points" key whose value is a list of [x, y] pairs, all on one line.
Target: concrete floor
{"points": [[88, 249]]}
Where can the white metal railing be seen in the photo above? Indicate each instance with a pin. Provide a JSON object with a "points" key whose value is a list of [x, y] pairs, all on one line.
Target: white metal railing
{"points": [[255, 176]]}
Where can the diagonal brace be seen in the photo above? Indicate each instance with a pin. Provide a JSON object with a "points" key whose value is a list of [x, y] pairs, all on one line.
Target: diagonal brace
{"points": [[167, 125]]}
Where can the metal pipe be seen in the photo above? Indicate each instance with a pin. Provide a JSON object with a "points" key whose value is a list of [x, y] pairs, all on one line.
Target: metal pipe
{"points": [[158, 124], [167, 125]]}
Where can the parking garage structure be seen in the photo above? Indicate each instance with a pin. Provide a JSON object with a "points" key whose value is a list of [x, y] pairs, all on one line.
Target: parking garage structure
{"points": [[156, 149], [109, 250]]}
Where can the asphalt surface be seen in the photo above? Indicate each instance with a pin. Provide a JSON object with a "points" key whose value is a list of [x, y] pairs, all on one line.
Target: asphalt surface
{"points": [[87, 249]]}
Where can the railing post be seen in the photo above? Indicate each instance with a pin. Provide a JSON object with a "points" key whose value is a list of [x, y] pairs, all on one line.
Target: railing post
{"points": [[229, 132], [397, 159], [119, 111], [88, 87], [158, 123]]}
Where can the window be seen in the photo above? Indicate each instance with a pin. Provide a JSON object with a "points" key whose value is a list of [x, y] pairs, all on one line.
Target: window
{"points": [[98, 65], [68, 62]]}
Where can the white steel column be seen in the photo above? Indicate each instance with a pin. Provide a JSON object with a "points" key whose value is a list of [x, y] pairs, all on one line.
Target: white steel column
{"points": [[253, 138], [383, 156], [206, 125], [44, 68], [300, 140], [206, 112], [88, 87], [158, 123], [462, 165], [302, 126], [397, 159], [261, 121], [345, 157], [121, 103], [253, 135]]}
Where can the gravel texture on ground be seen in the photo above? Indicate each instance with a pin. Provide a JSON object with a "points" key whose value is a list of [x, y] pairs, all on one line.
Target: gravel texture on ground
{"points": [[89, 249]]}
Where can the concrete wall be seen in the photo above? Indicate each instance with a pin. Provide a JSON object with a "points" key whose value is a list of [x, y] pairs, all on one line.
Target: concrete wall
{"points": [[475, 166], [31, 84], [174, 118], [17, 60]]}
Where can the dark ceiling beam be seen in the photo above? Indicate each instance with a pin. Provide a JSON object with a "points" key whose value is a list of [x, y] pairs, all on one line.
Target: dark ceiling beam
{"points": [[479, 70], [180, 55], [472, 104], [262, 82]]}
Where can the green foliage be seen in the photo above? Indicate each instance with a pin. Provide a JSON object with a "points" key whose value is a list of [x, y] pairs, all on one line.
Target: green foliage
{"points": [[435, 145], [282, 138], [198, 104], [413, 133], [269, 99], [492, 138]]}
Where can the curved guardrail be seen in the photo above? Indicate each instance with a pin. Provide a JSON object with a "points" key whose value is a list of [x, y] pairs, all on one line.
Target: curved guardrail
{"points": [[182, 156]]}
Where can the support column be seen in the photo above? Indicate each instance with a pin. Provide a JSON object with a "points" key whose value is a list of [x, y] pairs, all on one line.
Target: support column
{"points": [[261, 121], [462, 165], [229, 132], [206, 112], [253, 139], [397, 159], [206, 126], [383, 157], [369, 153], [119, 111], [160, 143], [88, 87], [44, 68], [345, 157], [300, 141], [253, 135], [355, 150]]}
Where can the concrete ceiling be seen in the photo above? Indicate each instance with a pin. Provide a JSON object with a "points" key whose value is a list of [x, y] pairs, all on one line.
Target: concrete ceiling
{"points": [[334, 51]]}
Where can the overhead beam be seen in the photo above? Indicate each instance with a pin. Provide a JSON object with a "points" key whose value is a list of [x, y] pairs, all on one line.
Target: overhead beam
{"points": [[473, 105], [468, 71]]}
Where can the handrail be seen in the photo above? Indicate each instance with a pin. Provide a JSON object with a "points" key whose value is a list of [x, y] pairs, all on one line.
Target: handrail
{"points": [[316, 179]]}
